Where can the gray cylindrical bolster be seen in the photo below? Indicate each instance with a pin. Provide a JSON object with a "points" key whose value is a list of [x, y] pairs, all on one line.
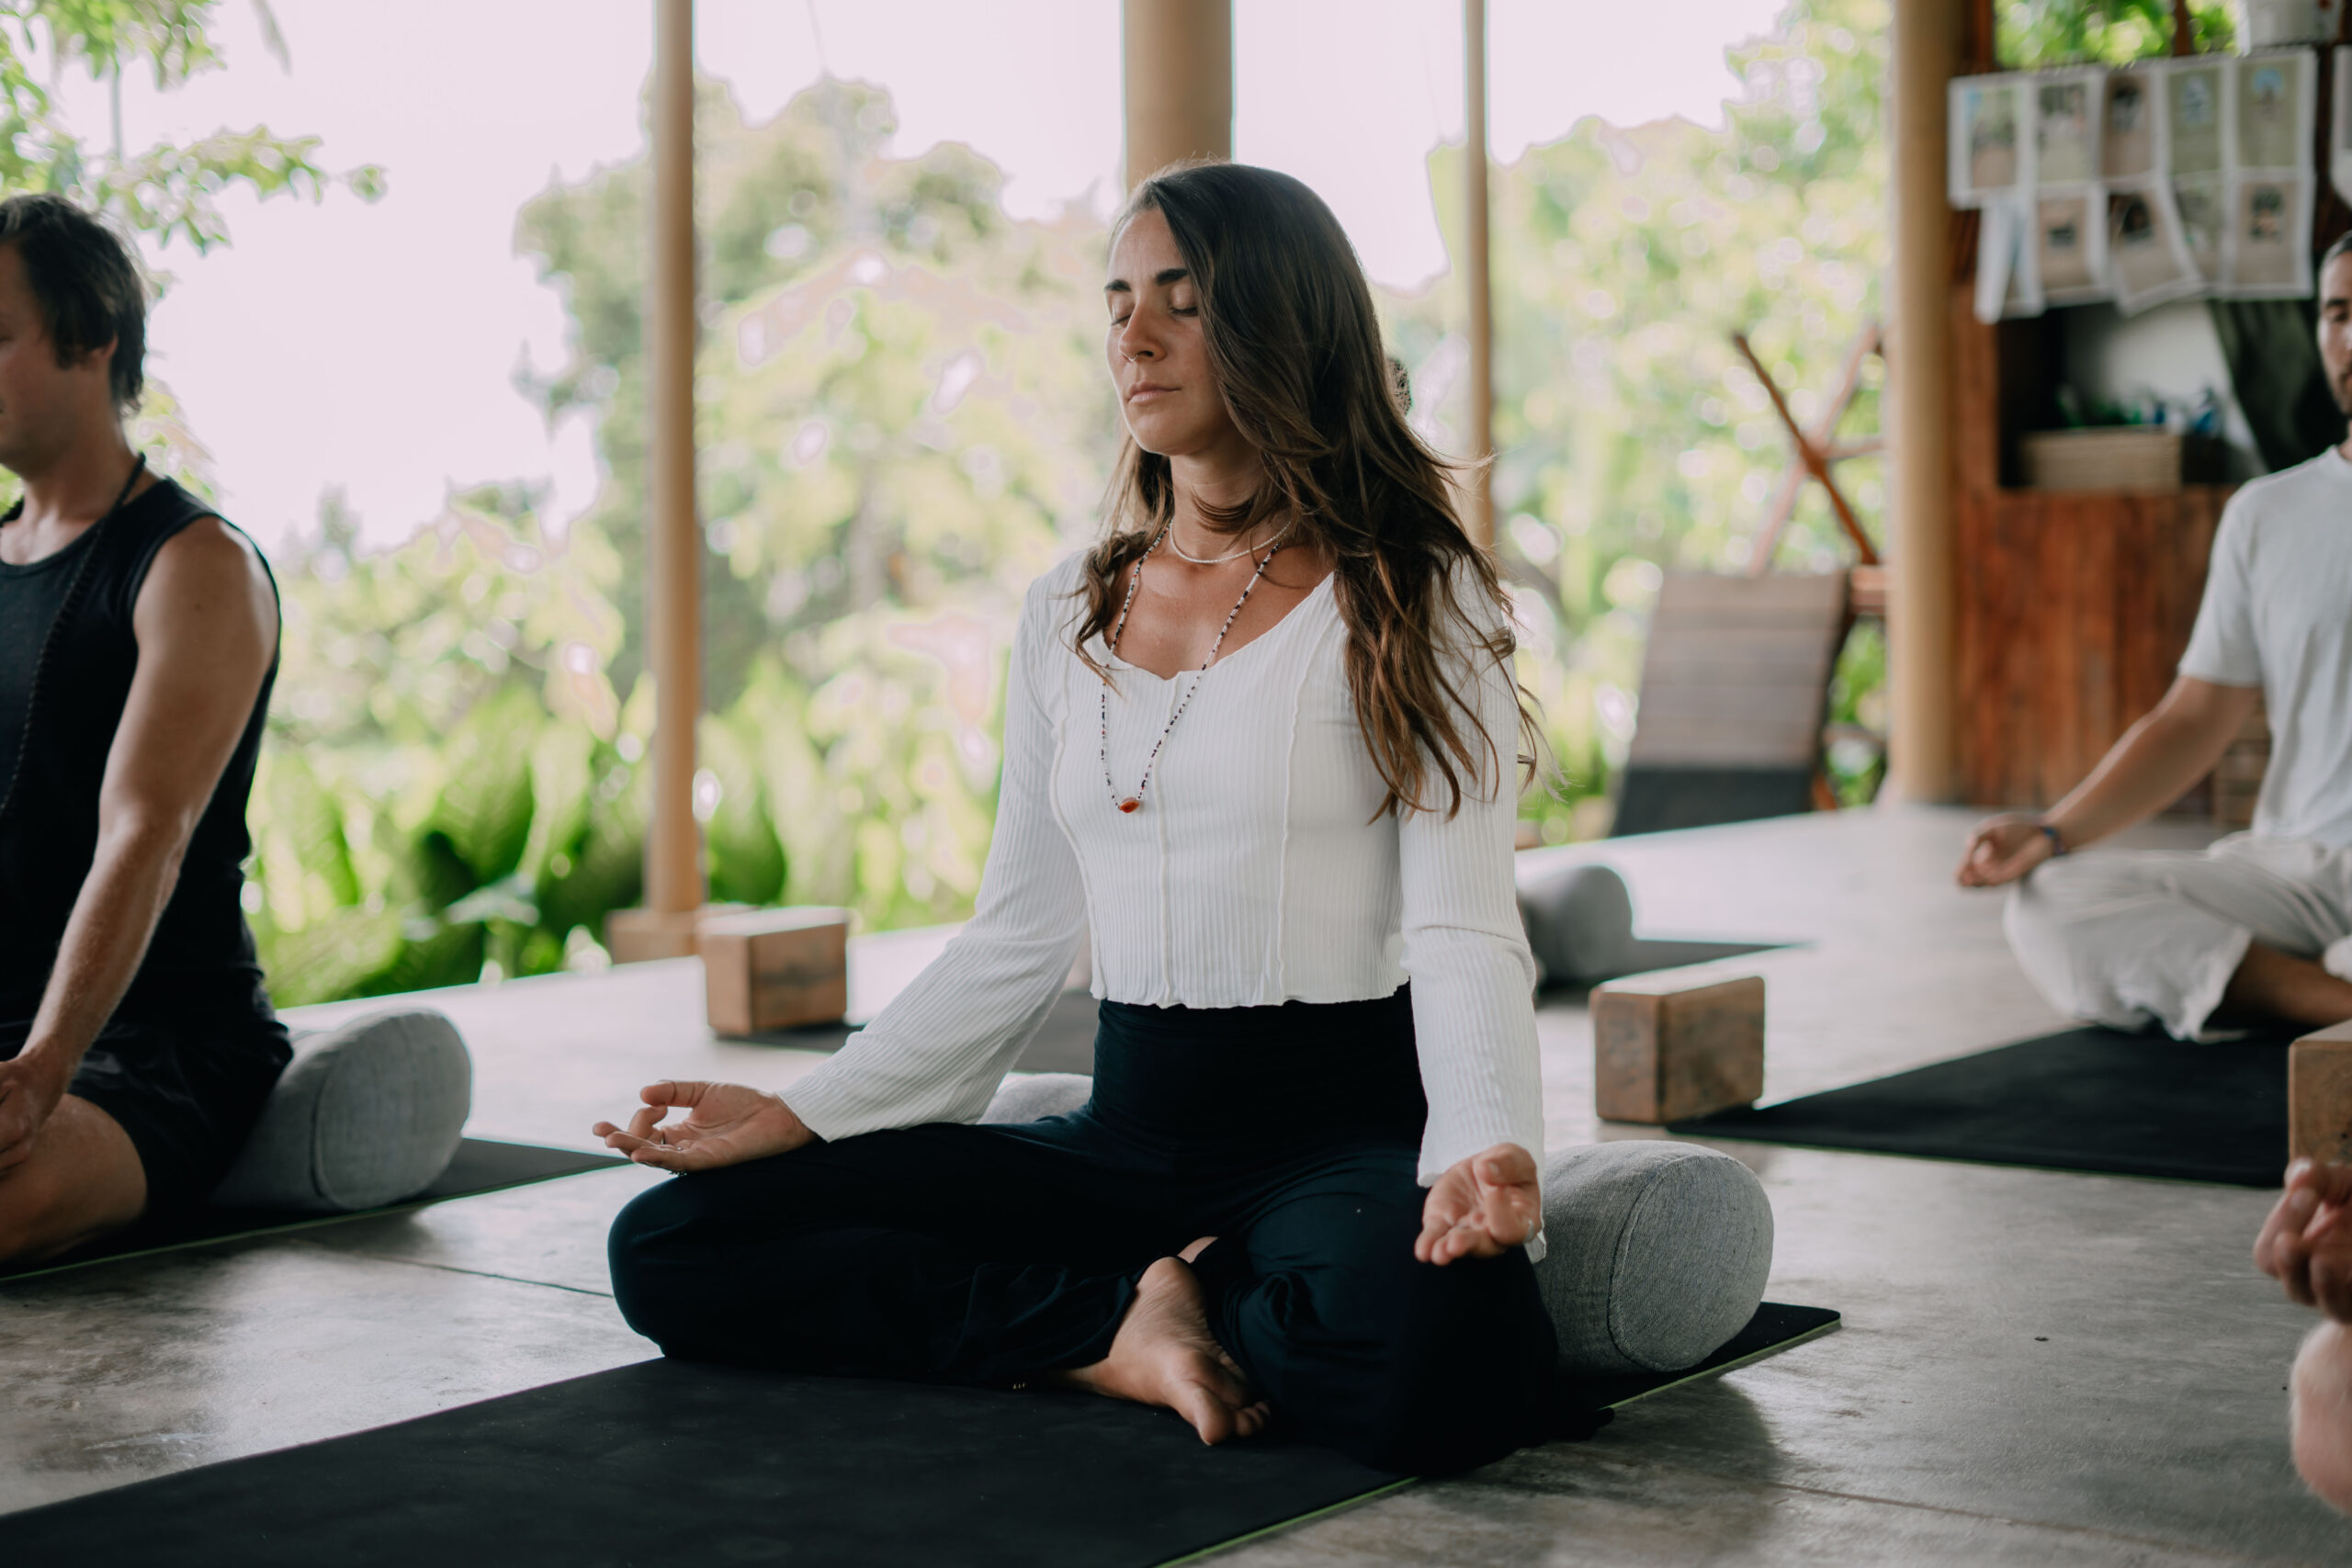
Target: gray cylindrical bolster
{"points": [[1658, 1254], [1579, 924], [364, 1115]]}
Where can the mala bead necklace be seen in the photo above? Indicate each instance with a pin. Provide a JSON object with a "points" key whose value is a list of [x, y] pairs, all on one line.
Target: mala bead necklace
{"points": [[1133, 803]]}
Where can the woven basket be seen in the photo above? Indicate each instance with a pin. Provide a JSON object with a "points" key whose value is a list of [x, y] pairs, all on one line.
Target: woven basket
{"points": [[2126, 457]]}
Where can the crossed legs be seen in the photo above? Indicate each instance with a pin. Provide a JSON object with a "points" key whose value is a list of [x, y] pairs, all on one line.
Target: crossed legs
{"points": [[2232, 935], [1000, 1255]]}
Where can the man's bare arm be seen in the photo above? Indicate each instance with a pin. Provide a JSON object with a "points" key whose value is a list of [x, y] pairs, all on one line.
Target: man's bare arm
{"points": [[207, 625], [2154, 764]]}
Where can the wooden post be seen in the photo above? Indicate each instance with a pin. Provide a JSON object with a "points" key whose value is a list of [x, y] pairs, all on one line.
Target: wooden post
{"points": [[1178, 83], [663, 928], [1922, 743], [1478, 273]]}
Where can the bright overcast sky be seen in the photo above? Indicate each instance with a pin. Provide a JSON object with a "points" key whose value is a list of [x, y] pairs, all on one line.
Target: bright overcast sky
{"points": [[374, 347]]}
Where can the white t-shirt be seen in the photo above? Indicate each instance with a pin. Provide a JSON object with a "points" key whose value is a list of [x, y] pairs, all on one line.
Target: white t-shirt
{"points": [[2278, 615], [1260, 870]]}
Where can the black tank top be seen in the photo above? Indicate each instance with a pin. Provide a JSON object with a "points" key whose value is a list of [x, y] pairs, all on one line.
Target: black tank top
{"points": [[200, 964]]}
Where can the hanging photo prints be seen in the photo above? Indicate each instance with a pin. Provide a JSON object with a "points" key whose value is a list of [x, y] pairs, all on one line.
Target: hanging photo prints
{"points": [[2266, 250], [2197, 204], [2147, 259], [2193, 116], [1988, 157], [2169, 178], [2128, 127], [2066, 105], [2273, 119], [2070, 235], [2005, 281]]}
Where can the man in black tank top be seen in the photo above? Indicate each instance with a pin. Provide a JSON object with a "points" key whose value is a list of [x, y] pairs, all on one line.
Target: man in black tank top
{"points": [[137, 643]]}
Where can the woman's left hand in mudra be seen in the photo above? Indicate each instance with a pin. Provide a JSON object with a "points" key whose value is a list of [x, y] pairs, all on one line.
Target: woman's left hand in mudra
{"points": [[726, 1123], [1482, 1207]]}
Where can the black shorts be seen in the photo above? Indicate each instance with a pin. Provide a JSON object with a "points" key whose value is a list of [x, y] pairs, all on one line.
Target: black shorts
{"points": [[188, 1095]]}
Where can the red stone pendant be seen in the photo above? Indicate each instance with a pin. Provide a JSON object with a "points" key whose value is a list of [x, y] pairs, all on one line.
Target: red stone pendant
{"points": [[1132, 804]]}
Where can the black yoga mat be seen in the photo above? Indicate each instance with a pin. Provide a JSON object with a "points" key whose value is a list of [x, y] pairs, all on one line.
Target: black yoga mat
{"points": [[1775, 1327], [675, 1462], [481, 1165], [2086, 1099]]}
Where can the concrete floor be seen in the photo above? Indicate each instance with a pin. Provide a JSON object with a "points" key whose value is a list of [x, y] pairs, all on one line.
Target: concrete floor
{"points": [[2037, 1367]]}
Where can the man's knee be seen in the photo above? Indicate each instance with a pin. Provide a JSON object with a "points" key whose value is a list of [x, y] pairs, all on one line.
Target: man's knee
{"points": [[82, 1180]]}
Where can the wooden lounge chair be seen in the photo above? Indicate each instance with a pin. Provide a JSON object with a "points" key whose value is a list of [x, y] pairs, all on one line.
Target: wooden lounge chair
{"points": [[1735, 690]]}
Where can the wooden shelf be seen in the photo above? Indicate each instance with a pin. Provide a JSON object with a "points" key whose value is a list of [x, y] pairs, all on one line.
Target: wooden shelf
{"points": [[2224, 492]]}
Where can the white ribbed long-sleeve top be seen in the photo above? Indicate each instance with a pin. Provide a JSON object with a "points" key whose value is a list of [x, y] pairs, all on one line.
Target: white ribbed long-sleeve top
{"points": [[1257, 873]]}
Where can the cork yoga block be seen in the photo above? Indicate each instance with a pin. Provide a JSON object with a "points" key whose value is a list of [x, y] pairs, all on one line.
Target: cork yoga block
{"points": [[1666, 1049], [2319, 1095], [769, 969]]}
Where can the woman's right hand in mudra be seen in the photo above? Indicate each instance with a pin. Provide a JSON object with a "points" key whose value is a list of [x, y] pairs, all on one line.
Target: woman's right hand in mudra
{"points": [[725, 1123]]}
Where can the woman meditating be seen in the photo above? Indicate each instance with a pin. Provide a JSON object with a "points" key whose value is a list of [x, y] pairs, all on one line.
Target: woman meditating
{"points": [[1262, 750]]}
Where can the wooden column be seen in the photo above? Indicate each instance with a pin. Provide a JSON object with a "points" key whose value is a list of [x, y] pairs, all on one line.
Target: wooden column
{"points": [[1178, 83], [1922, 749], [1478, 273], [674, 872]]}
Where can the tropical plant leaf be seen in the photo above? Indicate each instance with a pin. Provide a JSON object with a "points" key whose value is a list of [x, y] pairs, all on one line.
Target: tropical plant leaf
{"points": [[746, 861], [311, 819], [484, 812], [335, 957]]}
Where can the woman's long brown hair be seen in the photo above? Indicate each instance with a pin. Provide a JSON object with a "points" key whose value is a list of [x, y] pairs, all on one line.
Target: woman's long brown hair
{"points": [[1292, 335]]}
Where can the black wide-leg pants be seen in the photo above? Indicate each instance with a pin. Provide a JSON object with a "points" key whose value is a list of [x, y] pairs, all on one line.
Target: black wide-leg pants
{"points": [[989, 1255]]}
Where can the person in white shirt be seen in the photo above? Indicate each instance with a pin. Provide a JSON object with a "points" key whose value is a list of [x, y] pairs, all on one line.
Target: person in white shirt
{"points": [[1261, 753], [2259, 927]]}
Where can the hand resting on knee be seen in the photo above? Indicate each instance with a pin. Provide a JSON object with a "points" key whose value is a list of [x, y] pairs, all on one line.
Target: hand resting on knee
{"points": [[726, 1123], [1481, 1207]]}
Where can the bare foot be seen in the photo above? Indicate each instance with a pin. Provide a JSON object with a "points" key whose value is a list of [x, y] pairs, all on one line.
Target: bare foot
{"points": [[1165, 1355], [1193, 1253]]}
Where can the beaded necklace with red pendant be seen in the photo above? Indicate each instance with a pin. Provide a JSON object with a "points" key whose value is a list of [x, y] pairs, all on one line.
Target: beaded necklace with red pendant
{"points": [[1133, 803]]}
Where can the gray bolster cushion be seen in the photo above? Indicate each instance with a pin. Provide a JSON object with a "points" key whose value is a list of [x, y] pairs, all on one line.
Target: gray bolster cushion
{"points": [[1579, 924], [1657, 1251], [364, 1115], [1658, 1254]]}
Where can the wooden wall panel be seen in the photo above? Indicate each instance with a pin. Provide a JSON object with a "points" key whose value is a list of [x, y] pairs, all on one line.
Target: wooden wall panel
{"points": [[2073, 609]]}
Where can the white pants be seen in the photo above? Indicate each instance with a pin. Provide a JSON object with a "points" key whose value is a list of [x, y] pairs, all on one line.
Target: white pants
{"points": [[2127, 937]]}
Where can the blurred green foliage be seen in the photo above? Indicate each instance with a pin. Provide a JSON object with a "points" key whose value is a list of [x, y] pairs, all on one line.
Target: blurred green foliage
{"points": [[1633, 439], [166, 190], [903, 420], [2031, 34]]}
